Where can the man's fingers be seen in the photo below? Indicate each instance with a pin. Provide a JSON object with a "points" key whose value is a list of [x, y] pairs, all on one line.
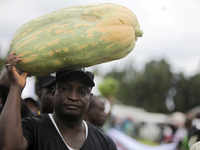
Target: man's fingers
{"points": [[15, 61], [12, 63], [25, 74], [9, 56], [12, 53]]}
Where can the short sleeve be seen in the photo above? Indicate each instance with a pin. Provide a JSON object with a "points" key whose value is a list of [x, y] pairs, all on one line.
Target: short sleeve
{"points": [[28, 130]]}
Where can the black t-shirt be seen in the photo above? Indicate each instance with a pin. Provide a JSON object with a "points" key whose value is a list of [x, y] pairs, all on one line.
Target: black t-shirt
{"points": [[41, 134], [25, 111]]}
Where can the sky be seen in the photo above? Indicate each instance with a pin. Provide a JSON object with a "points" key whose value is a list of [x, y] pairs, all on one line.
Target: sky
{"points": [[171, 29]]}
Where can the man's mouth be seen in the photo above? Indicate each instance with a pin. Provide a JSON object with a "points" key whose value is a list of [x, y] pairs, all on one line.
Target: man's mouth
{"points": [[71, 106]]}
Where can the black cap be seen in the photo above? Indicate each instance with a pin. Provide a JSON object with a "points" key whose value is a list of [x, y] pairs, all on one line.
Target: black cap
{"points": [[44, 81], [88, 76]]}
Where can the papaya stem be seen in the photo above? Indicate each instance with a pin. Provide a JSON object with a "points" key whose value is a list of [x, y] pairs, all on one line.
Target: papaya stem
{"points": [[138, 32]]}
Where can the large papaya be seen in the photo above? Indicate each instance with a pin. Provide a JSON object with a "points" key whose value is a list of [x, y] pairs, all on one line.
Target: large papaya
{"points": [[74, 37]]}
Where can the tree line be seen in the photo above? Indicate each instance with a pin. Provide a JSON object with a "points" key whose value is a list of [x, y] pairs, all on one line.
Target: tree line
{"points": [[156, 88]]}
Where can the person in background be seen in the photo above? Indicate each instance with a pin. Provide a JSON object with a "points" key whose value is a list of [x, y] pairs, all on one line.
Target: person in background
{"points": [[188, 124], [96, 114], [32, 104], [43, 88], [65, 128]]}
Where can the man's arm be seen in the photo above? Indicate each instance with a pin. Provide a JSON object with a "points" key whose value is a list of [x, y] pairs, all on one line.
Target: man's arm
{"points": [[11, 133], [4, 90]]}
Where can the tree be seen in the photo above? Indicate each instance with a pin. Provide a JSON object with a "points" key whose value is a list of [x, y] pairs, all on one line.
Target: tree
{"points": [[188, 95], [152, 86], [156, 88], [126, 79]]}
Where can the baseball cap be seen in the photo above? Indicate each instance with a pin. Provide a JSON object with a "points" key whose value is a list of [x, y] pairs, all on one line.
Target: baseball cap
{"points": [[86, 75], [44, 81]]}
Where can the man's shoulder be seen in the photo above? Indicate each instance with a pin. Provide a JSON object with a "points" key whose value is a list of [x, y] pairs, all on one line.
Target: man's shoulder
{"points": [[92, 127], [96, 131], [40, 123], [37, 118], [101, 139]]}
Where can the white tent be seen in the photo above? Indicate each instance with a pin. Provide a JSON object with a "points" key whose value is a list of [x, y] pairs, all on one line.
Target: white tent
{"points": [[137, 114]]}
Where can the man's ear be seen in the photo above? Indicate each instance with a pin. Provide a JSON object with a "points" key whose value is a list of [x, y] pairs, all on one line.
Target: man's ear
{"points": [[89, 100], [39, 93], [91, 96]]}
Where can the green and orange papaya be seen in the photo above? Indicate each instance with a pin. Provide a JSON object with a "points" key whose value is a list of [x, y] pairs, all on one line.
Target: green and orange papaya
{"points": [[74, 37]]}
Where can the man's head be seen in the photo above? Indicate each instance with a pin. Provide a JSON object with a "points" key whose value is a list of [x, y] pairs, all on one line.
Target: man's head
{"points": [[44, 87], [96, 111], [72, 92], [32, 104]]}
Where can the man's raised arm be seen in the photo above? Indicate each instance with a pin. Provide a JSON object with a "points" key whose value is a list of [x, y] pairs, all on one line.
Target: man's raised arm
{"points": [[11, 134]]}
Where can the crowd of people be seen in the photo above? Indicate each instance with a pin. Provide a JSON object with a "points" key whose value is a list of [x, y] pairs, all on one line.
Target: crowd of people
{"points": [[68, 116], [181, 129]]}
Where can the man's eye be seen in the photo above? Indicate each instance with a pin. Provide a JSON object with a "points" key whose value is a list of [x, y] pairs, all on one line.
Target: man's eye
{"points": [[65, 89], [83, 92]]}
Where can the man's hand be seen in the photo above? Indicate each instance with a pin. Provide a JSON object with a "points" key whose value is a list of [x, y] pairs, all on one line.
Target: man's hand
{"points": [[11, 133], [16, 78]]}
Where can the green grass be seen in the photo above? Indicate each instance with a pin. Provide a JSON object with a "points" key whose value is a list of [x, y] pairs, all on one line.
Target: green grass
{"points": [[147, 142]]}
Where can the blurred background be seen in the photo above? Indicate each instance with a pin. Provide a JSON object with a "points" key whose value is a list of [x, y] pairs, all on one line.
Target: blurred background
{"points": [[157, 84]]}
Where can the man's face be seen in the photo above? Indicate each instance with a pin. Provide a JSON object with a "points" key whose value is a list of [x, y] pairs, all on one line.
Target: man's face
{"points": [[46, 100], [97, 114], [71, 98]]}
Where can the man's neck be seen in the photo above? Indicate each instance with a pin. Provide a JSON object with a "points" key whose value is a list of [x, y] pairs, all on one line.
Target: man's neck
{"points": [[73, 131], [69, 122]]}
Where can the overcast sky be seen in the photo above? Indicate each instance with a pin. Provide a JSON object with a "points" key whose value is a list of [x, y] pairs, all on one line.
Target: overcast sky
{"points": [[171, 28]]}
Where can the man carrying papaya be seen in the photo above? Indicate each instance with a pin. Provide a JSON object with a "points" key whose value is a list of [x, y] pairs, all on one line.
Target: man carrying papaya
{"points": [[65, 128]]}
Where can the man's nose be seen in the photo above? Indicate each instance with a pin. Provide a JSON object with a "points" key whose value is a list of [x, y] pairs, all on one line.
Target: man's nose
{"points": [[73, 95]]}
